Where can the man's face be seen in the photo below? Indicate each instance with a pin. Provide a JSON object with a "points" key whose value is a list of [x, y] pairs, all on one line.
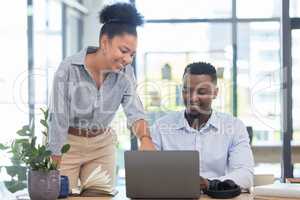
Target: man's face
{"points": [[198, 92]]}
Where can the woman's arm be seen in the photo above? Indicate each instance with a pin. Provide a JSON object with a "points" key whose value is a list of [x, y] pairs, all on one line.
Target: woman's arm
{"points": [[58, 120], [134, 111], [141, 129]]}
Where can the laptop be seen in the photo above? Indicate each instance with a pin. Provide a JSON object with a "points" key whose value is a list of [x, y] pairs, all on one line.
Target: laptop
{"points": [[162, 174]]}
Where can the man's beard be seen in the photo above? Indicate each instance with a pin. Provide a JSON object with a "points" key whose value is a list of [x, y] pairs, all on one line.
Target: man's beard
{"points": [[197, 111], [195, 116], [192, 114]]}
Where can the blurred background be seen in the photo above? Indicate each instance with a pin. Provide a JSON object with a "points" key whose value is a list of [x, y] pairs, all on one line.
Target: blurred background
{"points": [[252, 43]]}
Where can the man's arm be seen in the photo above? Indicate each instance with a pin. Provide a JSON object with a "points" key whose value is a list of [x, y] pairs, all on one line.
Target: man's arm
{"points": [[240, 160]]}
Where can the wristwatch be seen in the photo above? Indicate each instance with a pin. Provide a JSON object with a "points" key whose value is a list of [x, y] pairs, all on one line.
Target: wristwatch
{"points": [[145, 136]]}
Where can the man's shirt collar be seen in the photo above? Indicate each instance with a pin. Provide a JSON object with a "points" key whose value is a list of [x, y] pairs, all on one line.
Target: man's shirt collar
{"points": [[183, 123]]}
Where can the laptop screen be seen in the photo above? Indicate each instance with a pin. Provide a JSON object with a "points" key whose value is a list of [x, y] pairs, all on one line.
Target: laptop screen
{"points": [[162, 174]]}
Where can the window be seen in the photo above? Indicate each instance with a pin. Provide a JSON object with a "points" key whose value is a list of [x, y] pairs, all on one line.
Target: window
{"points": [[205, 31], [258, 9], [13, 72], [47, 53], [294, 8], [259, 79], [187, 43], [296, 84], [184, 9], [73, 33]]}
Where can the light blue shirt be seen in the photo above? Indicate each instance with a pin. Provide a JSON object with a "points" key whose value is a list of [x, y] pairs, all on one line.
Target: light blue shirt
{"points": [[77, 102], [223, 145]]}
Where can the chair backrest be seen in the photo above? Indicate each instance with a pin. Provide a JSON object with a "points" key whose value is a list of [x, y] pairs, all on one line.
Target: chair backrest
{"points": [[250, 133]]}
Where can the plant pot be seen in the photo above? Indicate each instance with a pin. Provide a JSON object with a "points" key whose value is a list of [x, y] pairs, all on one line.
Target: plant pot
{"points": [[43, 185]]}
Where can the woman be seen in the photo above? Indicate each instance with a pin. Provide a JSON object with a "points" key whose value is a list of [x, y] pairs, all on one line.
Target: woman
{"points": [[87, 91]]}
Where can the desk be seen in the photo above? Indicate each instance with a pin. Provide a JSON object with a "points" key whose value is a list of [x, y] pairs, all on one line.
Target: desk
{"points": [[242, 197], [122, 196]]}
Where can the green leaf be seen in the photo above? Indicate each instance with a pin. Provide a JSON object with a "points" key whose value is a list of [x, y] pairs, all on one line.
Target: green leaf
{"points": [[21, 141], [22, 176], [33, 141], [65, 148], [3, 147], [14, 186], [27, 148], [45, 133], [48, 153], [42, 149], [22, 132], [16, 148], [45, 112], [25, 131], [44, 123], [15, 160], [15, 170]]}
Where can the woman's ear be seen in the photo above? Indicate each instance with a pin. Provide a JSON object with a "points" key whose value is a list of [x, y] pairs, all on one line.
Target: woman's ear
{"points": [[104, 43]]}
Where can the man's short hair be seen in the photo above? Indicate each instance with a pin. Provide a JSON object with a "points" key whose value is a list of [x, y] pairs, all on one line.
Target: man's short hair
{"points": [[201, 68]]}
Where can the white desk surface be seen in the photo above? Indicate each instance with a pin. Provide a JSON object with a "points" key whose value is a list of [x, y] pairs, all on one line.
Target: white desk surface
{"points": [[122, 196], [241, 197]]}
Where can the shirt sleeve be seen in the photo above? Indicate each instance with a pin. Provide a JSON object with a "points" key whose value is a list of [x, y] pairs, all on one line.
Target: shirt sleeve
{"points": [[59, 107], [240, 161], [156, 135], [131, 102]]}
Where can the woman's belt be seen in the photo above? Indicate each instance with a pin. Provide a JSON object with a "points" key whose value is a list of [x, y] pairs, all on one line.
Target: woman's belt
{"points": [[83, 132]]}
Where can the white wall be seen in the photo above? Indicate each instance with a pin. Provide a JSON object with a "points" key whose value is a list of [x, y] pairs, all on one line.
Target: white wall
{"points": [[91, 21], [91, 24]]}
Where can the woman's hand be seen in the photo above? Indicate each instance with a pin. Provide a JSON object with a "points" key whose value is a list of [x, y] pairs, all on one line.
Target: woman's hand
{"points": [[56, 159], [204, 183], [141, 130]]}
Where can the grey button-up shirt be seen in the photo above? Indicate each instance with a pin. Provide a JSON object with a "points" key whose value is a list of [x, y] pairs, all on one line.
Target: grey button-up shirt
{"points": [[77, 102]]}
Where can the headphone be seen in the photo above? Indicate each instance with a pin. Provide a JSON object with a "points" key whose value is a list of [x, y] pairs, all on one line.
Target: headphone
{"points": [[222, 189]]}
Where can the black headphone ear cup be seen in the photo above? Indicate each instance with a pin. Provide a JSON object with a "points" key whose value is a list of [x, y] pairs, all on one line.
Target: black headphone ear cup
{"points": [[228, 185], [214, 184], [224, 190], [222, 186]]}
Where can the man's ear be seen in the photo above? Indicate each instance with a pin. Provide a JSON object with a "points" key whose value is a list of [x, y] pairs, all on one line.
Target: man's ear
{"points": [[216, 91]]}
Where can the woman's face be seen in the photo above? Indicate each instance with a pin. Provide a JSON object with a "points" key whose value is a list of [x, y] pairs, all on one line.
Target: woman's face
{"points": [[118, 51]]}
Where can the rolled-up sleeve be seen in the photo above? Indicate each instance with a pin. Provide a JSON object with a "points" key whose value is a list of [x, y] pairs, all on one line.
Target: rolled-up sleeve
{"points": [[131, 102], [241, 162], [59, 108], [156, 136]]}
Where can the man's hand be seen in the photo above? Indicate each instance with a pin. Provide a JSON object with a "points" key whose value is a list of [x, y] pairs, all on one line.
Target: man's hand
{"points": [[56, 159], [204, 183], [146, 144]]}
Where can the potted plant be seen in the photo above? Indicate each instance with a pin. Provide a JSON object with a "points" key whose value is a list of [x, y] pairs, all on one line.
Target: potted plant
{"points": [[43, 174]]}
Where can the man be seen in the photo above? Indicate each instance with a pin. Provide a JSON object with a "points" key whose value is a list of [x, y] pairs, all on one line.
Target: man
{"points": [[221, 139]]}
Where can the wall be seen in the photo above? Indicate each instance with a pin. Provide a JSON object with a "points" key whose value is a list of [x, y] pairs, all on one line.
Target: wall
{"points": [[91, 22]]}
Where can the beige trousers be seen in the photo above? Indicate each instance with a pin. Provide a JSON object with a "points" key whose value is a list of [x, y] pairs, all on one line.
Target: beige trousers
{"points": [[86, 154]]}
